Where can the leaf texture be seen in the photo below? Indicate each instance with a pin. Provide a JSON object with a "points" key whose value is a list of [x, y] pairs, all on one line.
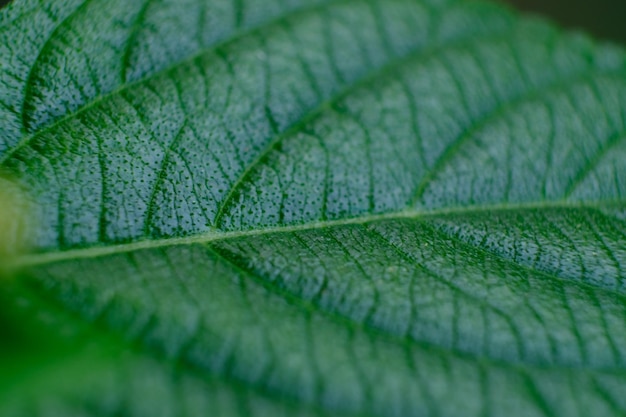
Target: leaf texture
{"points": [[316, 208]]}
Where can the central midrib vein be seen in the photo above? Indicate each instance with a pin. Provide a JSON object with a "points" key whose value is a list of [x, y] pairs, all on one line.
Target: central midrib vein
{"points": [[218, 235]]}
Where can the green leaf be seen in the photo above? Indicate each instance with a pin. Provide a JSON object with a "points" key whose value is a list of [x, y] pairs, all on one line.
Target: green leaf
{"points": [[313, 208]]}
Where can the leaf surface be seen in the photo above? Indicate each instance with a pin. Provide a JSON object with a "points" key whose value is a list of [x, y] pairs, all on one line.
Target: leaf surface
{"points": [[316, 208]]}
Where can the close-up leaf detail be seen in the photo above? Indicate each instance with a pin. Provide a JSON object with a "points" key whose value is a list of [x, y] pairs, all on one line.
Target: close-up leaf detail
{"points": [[309, 208]]}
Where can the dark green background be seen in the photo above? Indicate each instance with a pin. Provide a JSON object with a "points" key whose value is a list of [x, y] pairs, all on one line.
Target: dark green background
{"points": [[606, 19]]}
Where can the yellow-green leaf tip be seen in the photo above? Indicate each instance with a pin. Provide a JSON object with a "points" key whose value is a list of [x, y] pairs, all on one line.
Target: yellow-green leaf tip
{"points": [[15, 222]]}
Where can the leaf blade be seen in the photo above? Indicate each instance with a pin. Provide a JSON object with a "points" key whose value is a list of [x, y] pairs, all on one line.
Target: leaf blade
{"points": [[344, 207]]}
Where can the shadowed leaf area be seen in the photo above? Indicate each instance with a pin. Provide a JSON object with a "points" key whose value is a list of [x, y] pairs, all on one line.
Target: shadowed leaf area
{"points": [[311, 208]]}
